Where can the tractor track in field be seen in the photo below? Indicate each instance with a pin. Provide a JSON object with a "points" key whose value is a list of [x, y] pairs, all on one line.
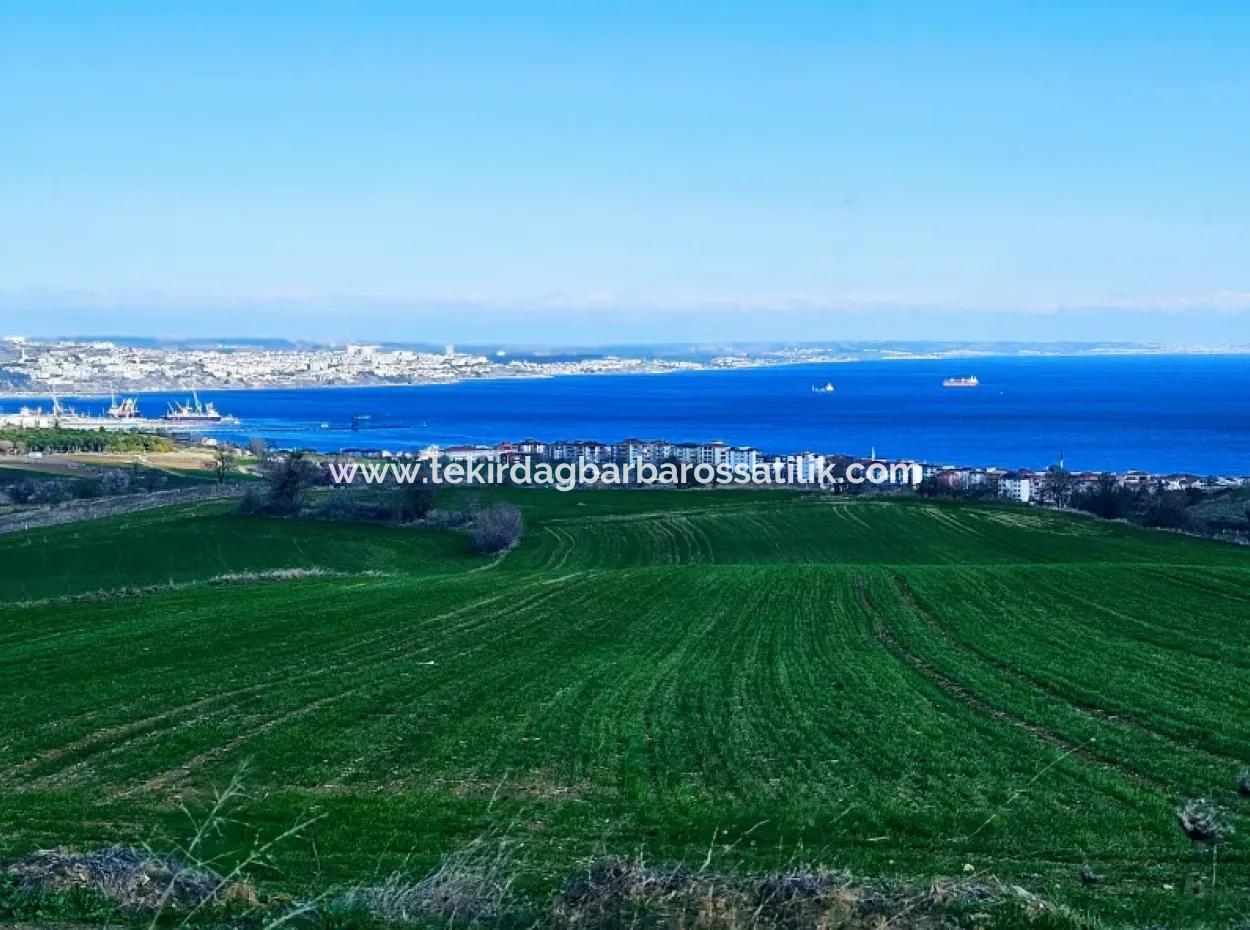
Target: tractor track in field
{"points": [[136, 728], [80, 772], [120, 730], [960, 693], [1087, 709], [1202, 586], [173, 776], [562, 547], [1210, 646], [360, 657]]}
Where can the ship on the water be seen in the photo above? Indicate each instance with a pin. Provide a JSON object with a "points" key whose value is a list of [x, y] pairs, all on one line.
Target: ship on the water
{"points": [[194, 412], [827, 389], [119, 415], [126, 409], [969, 382]]}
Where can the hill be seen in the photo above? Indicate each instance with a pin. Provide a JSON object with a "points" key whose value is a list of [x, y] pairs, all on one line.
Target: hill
{"points": [[901, 689]]}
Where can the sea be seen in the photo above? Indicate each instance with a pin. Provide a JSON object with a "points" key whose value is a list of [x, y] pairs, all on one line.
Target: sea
{"points": [[1159, 413]]}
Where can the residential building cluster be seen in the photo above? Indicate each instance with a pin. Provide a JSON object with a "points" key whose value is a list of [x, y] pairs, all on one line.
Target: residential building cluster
{"points": [[96, 366], [806, 468], [71, 366], [1024, 486]]}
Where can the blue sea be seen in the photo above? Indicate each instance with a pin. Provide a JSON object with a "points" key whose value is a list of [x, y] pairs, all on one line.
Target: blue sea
{"points": [[1158, 413]]}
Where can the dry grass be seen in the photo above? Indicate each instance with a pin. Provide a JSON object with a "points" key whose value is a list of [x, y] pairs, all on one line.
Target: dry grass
{"points": [[621, 893], [134, 880], [230, 578], [470, 886], [543, 785], [186, 885]]}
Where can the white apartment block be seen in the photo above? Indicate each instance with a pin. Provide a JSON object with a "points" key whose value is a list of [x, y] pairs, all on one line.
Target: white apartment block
{"points": [[1016, 487]]}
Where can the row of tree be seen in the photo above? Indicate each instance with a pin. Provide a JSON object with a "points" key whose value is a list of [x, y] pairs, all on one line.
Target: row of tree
{"points": [[57, 439]]}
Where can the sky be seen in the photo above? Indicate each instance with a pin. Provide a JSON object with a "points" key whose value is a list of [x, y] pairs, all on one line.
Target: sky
{"points": [[664, 171]]}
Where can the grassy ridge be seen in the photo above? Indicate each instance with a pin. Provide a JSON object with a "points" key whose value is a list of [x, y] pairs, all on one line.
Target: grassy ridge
{"points": [[895, 688], [201, 541]]}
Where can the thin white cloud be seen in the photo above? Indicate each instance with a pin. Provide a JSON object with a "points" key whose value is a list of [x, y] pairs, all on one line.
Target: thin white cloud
{"points": [[291, 302]]}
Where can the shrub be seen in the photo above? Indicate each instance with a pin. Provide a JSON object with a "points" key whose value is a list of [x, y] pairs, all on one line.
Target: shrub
{"points": [[497, 528], [1243, 783], [1202, 822], [24, 491], [87, 488], [115, 481], [287, 481], [149, 479], [415, 501], [51, 492], [349, 507], [449, 519], [252, 502]]}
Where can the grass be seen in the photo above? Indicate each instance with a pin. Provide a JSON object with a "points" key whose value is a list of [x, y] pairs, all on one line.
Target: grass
{"points": [[202, 541], [62, 467], [898, 689]]}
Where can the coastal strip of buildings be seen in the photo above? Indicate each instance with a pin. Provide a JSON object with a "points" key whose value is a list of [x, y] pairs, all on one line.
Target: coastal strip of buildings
{"points": [[1020, 485], [99, 366]]}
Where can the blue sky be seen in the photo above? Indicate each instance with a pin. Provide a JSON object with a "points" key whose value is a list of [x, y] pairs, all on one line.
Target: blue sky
{"points": [[597, 171]]}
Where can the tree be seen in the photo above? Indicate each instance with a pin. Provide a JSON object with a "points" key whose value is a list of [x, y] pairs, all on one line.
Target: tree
{"points": [[497, 528], [258, 448], [931, 487], [1107, 499], [1057, 486], [416, 500], [1167, 510], [223, 462], [288, 480]]}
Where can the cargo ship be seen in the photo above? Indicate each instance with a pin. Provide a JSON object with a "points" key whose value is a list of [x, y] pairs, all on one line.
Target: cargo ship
{"points": [[119, 415], [126, 409], [969, 382], [195, 413]]}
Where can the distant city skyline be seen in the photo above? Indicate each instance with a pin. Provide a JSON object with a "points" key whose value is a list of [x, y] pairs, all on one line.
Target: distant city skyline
{"points": [[568, 173]]}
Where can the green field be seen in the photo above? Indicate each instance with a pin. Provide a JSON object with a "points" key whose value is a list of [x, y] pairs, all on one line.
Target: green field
{"points": [[896, 688], [11, 473]]}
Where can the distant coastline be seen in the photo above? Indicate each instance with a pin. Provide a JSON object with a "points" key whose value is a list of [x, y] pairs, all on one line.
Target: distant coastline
{"points": [[90, 389], [1158, 413]]}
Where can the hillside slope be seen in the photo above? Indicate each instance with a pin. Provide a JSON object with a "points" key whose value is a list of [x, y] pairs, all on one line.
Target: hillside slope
{"points": [[900, 689]]}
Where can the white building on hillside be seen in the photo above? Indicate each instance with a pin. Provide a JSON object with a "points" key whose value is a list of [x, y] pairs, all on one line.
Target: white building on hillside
{"points": [[1017, 486]]}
